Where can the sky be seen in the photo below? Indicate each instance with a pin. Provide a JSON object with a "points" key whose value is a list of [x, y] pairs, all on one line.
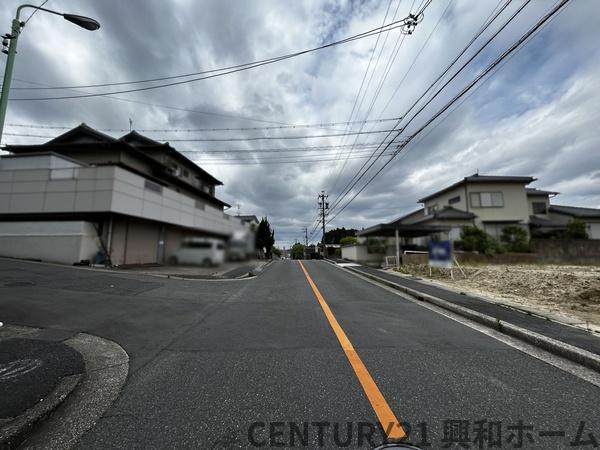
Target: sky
{"points": [[536, 115]]}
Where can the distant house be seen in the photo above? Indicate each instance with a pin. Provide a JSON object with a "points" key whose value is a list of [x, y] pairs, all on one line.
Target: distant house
{"points": [[560, 216], [251, 221], [493, 202], [83, 192]]}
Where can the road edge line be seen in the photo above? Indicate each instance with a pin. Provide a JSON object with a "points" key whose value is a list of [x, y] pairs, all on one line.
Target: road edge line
{"points": [[559, 348]]}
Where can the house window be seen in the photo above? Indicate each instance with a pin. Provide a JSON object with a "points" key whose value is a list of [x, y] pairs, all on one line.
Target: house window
{"points": [[539, 207], [454, 200], [152, 186], [431, 209], [186, 173], [487, 199]]}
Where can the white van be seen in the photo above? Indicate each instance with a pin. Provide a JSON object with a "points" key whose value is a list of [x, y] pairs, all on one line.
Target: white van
{"points": [[200, 251]]}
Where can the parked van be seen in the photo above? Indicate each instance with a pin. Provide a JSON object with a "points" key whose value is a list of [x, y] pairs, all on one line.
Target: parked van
{"points": [[241, 246], [200, 251]]}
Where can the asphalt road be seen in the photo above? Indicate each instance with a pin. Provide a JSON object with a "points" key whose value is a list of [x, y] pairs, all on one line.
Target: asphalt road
{"points": [[226, 364]]}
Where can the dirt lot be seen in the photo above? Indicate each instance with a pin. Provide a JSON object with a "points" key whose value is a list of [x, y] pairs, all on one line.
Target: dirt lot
{"points": [[567, 293]]}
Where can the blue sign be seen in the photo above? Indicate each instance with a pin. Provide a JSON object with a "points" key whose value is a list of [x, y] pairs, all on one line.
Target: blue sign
{"points": [[440, 254]]}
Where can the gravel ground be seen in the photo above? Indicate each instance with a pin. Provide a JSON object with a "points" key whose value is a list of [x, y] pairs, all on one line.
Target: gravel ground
{"points": [[569, 291]]}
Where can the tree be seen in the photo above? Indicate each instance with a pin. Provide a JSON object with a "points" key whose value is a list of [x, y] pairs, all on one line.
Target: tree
{"points": [[348, 240], [576, 229], [476, 239], [335, 235], [277, 252], [297, 251], [375, 245], [515, 238], [265, 237]]}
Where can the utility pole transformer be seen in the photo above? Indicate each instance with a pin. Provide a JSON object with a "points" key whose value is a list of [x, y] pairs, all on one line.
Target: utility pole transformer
{"points": [[324, 206]]}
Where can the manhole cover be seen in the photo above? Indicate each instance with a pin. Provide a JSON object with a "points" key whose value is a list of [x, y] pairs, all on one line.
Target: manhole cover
{"points": [[16, 369]]}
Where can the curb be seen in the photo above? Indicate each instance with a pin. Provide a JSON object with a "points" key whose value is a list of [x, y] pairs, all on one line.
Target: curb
{"points": [[12, 434], [77, 402], [568, 351]]}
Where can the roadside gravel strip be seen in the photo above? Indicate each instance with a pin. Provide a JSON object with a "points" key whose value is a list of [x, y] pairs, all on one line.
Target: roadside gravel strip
{"points": [[78, 402], [570, 352]]}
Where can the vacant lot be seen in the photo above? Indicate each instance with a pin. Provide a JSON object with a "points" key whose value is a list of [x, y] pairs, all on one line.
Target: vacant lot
{"points": [[570, 292]]}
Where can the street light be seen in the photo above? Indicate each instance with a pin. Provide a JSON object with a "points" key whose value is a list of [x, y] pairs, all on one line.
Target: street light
{"points": [[9, 47]]}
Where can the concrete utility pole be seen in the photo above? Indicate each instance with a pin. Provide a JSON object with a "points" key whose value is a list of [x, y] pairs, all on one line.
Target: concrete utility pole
{"points": [[305, 237], [324, 206]]}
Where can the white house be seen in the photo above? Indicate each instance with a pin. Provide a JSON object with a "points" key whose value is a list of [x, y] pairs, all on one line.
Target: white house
{"points": [[83, 193]]}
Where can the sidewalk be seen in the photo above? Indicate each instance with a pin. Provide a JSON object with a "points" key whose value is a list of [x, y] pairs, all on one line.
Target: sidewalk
{"points": [[37, 371], [227, 271], [564, 333]]}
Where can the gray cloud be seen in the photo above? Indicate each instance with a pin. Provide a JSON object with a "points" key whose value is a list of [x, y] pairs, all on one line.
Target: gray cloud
{"points": [[538, 115]]}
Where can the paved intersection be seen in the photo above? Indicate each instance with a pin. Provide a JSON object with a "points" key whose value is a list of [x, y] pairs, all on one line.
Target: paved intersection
{"points": [[222, 364]]}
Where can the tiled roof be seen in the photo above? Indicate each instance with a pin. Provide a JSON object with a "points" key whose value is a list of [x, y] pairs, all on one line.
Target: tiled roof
{"points": [[576, 211], [476, 178]]}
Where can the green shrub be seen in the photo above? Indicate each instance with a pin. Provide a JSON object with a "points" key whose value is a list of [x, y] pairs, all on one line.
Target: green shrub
{"points": [[576, 229], [348, 240], [375, 245], [473, 239], [297, 251], [514, 238]]}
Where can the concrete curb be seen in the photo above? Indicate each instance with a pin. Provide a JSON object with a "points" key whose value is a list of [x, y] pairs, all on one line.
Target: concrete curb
{"points": [[568, 351], [78, 401], [12, 434]]}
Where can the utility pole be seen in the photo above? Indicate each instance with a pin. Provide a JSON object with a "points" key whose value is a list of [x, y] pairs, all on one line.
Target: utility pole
{"points": [[305, 236], [324, 206]]}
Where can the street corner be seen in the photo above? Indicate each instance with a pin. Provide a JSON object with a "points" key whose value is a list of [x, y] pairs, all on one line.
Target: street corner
{"points": [[36, 375], [55, 385]]}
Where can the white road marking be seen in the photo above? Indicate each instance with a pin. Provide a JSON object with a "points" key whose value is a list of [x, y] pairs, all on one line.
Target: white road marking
{"points": [[563, 364]]}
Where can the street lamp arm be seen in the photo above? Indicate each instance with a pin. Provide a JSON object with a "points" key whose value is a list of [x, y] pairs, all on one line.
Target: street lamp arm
{"points": [[9, 47], [36, 7]]}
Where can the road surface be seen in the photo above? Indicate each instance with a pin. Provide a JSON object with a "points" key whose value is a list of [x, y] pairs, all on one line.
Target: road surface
{"points": [[268, 362]]}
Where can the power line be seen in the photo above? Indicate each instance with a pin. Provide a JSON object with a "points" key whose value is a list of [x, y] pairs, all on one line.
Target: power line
{"points": [[280, 149], [463, 100], [365, 93], [468, 87], [251, 156], [260, 162], [194, 130], [256, 138], [410, 21], [367, 70], [176, 108], [360, 174], [434, 84], [34, 11]]}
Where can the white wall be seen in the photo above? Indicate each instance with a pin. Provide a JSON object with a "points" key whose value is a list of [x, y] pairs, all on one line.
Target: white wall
{"points": [[63, 242], [359, 253], [538, 199], [105, 189], [36, 162], [594, 230]]}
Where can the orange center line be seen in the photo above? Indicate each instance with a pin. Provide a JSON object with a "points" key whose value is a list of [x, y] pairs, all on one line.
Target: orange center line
{"points": [[384, 413]]}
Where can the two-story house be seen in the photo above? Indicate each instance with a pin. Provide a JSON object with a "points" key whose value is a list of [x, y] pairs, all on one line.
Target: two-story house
{"points": [[493, 202], [84, 192], [489, 202]]}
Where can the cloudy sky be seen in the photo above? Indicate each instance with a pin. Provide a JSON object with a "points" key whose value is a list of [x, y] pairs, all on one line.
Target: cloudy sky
{"points": [[538, 114]]}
